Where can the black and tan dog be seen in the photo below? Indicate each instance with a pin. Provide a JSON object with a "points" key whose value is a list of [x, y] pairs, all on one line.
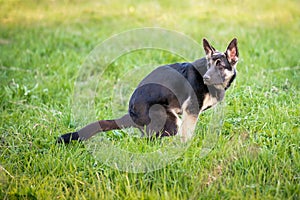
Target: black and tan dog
{"points": [[170, 91]]}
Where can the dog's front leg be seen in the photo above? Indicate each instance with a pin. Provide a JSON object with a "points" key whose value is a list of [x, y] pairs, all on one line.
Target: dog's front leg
{"points": [[188, 125]]}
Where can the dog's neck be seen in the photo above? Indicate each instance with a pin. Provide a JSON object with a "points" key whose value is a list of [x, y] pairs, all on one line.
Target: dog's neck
{"points": [[200, 65], [217, 93]]}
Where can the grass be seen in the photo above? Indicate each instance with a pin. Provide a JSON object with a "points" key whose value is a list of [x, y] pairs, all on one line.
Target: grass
{"points": [[44, 44]]}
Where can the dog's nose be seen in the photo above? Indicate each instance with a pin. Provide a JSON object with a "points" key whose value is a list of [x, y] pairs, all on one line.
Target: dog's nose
{"points": [[206, 77]]}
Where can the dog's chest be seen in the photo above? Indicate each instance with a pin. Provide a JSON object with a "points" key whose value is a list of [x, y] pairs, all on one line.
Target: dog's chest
{"points": [[209, 101]]}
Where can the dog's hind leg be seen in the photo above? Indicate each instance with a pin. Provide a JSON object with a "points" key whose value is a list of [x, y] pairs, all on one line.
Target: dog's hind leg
{"points": [[171, 123]]}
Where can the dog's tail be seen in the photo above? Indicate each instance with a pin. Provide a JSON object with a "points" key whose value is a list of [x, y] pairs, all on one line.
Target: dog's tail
{"points": [[96, 127]]}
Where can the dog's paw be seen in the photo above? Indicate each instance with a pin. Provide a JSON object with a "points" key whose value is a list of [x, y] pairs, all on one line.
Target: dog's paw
{"points": [[67, 138]]}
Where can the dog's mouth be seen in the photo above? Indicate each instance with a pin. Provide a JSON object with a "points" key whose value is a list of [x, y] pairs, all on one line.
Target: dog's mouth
{"points": [[206, 82], [216, 85]]}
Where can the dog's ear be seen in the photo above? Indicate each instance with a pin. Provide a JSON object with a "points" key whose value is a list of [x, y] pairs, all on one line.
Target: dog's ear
{"points": [[209, 50], [232, 52]]}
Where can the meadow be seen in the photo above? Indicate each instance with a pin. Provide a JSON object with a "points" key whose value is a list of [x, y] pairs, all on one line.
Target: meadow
{"points": [[43, 46]]}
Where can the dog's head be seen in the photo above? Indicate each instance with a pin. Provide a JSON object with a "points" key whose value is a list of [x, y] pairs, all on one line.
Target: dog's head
{"points": [[221, 66]]}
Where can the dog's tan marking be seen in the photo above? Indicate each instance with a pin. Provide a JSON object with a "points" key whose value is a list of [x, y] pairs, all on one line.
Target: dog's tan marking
{"points": [[175, 111], [188, 124], [228, 74], [208, 101]]}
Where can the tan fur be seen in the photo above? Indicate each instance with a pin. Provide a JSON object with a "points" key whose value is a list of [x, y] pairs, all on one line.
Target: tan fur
{"points": [[188, 125], [176, 111], [208, 101]]}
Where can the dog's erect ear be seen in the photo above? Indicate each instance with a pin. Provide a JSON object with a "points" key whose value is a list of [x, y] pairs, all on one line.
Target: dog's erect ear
{"points": [[232, 52], [209, 50]]}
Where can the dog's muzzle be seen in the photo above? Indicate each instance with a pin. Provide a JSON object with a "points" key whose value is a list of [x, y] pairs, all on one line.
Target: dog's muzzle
{"points": [[206, 79]]}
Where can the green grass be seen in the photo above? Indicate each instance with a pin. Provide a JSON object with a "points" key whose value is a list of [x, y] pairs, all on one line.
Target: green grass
{"points": [[44, 44]]}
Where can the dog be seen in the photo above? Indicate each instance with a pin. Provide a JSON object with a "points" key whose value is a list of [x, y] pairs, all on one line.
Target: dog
{"points": [[169, 100]]}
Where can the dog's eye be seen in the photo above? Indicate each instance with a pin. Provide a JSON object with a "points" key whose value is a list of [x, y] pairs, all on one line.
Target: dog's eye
{"points": [[220, 63]]}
